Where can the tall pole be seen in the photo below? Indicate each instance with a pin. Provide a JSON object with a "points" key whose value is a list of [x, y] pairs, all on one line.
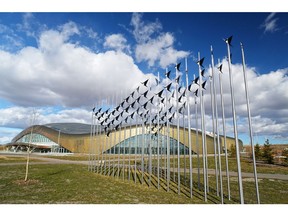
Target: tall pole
{"points": [[205, 142], [142, 151], [124, 152], [214, 137], [217, 127], [158, 162], [189, 130], [178, 134], [168, 139], [202, 128], [119, 152], [250, 124], [129, 152], [150, 142], [90, 145], [227, 41], [197, 139], [224, 134], [136, 150]]}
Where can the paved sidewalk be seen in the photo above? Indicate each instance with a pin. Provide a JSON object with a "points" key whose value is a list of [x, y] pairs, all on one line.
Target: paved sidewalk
{"points": [[47, 160]]}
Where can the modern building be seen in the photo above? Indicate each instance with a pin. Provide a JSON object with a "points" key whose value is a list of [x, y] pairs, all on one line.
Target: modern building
{"points": [[129, 139]]}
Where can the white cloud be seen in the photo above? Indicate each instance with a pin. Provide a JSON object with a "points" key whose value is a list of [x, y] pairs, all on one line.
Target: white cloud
{"points": [[268, 99], [69, 29], [270, 24], [117, 42], [157, 48], [62, 73], [9, 40], [20, 117], [143, 31]]}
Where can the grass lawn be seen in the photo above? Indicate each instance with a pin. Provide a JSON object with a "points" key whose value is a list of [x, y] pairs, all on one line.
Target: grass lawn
{"points": [[74, 184], [68, 183], [11, 159]]}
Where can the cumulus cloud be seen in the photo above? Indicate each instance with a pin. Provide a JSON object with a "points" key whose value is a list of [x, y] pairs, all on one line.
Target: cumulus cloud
{"points": [[158, 48], [268, 99], [14, 118], [270, 24], [9, 40], [117, 42], [143, 31], [20, 117], [59, 72], [7, 134]]}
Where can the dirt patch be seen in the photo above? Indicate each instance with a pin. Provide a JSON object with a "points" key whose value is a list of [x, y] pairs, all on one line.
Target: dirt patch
{"points": [[28, 182]]}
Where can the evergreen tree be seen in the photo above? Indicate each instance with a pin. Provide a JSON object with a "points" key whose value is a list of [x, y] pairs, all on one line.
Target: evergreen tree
{"points": [[267, 152], [257, 151]]}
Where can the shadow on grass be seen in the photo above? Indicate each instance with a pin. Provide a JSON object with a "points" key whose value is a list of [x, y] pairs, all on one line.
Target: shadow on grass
{"points": [[152, 181]]}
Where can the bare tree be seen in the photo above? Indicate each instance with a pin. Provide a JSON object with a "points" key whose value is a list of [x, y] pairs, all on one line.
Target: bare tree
{"points": [[32, 123]]}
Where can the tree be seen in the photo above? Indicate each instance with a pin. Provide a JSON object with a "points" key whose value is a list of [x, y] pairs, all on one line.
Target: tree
{"points": [[267, 152], [257, 151], [32, 122], [285, 153]]}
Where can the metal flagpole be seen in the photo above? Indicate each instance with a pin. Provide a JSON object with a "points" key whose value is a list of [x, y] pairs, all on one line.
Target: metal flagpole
{"points": [[105, 147], [250, 124], [136, 150], [114, 153], [228, 41], [205, 142], [189, 131], [158, 171], [124, 152], [129, 152], [178, 127], [168, 138], [91, 139], [119, 151], [98, 143], [142, 150], [217, 126], [197, 139], [184, 141], [202, 127], [224, 132], [150, 140], [95, 144], [214, 138]]}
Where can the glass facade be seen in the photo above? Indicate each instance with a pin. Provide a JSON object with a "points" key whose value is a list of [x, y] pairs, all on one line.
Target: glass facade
{"points": [[40, 140], [133, 145], [37, 139]]}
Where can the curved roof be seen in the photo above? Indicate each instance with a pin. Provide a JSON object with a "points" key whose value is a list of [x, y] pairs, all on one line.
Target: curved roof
{"points": [[70, 128]]}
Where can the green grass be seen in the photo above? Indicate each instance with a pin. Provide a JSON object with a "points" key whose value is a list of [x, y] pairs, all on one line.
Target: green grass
{"points": [[76, 157], [11, 159], [246, 165], [74, 184], [64, 183]]}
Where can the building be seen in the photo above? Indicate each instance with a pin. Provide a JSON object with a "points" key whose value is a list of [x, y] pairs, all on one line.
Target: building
{"points": [[129, 139]]}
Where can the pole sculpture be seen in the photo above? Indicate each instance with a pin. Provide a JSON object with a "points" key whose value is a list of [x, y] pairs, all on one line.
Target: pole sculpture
{"points": [[189, 131], [250, 124], [200, 62], [228, 42]]}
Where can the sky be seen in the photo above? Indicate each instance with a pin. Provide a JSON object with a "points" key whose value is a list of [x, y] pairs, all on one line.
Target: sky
{"points": [[62, 63]]}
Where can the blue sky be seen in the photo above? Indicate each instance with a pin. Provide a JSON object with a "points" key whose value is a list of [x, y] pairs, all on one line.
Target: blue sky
{"points": [[45, 56]]}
